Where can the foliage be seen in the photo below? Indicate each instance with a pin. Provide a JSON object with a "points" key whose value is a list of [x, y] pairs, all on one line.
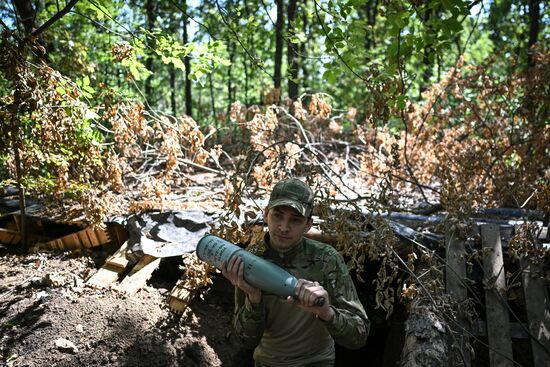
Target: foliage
{"points": [[474, 135], [47, 125]]}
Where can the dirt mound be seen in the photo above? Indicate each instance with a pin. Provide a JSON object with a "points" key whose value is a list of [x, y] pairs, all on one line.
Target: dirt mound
{"points": [[48, 317]]}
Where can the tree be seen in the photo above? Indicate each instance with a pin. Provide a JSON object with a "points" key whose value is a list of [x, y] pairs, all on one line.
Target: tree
{"points": [[151, 8], [187, 63], [279, 29], [534, 20], [27, 14], [292, 54]]}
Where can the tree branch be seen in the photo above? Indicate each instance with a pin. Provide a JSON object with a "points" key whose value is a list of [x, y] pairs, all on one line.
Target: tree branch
{"points": [[54, 19]]}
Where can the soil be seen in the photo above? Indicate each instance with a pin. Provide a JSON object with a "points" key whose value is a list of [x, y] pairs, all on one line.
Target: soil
{"points": [[48, 317]]}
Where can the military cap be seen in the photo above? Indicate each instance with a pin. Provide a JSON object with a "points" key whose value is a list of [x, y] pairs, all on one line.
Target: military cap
{"points": [[294, 193]]}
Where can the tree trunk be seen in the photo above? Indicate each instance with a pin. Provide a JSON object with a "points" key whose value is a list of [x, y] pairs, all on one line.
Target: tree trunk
{"points": [[371, 10], [279, 29], [303, 48], [27, 14], [425, 338], [212, 100], [534, 21], [150, 9], [291, 54], [427, 55], [187, 63], [246, 60], [229, 76], [173, 90], [22, 205]]}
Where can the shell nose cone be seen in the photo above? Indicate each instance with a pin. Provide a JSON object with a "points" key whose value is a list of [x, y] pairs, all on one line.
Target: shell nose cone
{"points": [[290, 282]]}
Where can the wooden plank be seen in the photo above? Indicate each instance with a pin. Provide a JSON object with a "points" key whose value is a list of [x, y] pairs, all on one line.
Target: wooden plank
{"points": [[137, 278], [455, 275], [180, 297], [9, 237], [105, 277], [93, 239], [85, 238], [518, 330], [538, 311], [17, 220], [59, 244], [111, 270], [103, 236], [72, 242], [12, 237], [498, 322], [118, 259]]}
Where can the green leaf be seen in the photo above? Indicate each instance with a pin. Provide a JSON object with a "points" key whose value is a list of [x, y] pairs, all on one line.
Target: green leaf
{"points": [[135, 71], [91, 115], [60, 90], [357, 3], [453, 25], [100, 10], [446, 4], [329, 77], [294, 40], [178, 63], [401, 101], [197, 74]]}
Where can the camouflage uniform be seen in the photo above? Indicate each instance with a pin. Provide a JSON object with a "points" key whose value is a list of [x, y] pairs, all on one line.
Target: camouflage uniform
{"points": [[285, 334]]}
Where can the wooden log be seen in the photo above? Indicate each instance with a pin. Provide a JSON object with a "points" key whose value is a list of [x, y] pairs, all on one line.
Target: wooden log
{"points": [[139, 275], [455, 275], [538, 311], [318, 235], [498, 322], [425, 338], [85, 238], [8, 190]]}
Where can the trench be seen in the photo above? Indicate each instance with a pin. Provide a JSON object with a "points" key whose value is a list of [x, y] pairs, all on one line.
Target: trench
{"points": [[385, 340]]}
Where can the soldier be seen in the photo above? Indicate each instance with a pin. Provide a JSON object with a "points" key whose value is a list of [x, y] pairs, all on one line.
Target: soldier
{"points": [[296, 331]]}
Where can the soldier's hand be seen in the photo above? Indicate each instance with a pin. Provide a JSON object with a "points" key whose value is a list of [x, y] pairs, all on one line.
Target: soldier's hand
{"points": [[307, 295], [234, 272]]}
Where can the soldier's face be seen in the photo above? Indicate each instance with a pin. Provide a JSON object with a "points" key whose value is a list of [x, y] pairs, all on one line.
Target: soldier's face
{"points": [[286, 227]]}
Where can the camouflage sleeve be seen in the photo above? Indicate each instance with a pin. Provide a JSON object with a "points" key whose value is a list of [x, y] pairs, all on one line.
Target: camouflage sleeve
{"points": [[350, 325], [248, 319]]}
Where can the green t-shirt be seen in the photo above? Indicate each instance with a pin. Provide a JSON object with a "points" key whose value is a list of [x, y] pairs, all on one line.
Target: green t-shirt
{"points": [[287, 335]]}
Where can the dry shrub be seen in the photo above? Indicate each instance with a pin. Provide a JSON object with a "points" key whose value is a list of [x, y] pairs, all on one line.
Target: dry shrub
{"points": [[44, 124], [480, 138]]}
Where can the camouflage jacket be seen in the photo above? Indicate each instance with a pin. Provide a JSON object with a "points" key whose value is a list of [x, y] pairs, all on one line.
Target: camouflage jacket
{"points": [[286, 335]]}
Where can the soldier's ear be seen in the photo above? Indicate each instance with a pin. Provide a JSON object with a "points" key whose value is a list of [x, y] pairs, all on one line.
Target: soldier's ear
{"points": [[309, 224]]}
